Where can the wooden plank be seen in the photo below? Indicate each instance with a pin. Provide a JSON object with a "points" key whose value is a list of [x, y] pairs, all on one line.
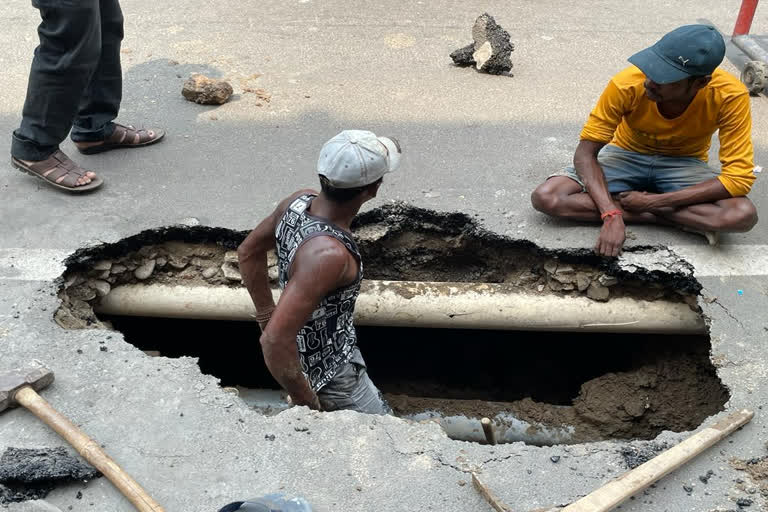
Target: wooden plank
{"points": [[630, 483]]}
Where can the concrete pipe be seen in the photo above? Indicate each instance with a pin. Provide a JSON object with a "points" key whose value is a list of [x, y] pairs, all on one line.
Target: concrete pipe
{"points": [[426, 304]]}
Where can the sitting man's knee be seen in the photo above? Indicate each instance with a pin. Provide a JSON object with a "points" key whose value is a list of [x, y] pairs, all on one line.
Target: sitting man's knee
{"points": [[544, 199], [741, 215]]}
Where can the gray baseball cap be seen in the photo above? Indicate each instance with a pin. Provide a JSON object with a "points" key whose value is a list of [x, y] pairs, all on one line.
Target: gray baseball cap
{"points": [[355, 158], [690, 50]]}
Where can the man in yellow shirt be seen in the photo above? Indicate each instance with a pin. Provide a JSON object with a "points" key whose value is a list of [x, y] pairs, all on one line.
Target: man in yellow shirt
{"points": [[643, 151]]}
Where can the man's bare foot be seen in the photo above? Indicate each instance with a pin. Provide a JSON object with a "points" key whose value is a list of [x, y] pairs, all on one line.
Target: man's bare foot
{"points": [[713, 237]]}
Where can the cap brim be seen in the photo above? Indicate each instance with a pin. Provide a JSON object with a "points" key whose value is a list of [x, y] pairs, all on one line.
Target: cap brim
{"points": [[656, 68], [394, 153]]}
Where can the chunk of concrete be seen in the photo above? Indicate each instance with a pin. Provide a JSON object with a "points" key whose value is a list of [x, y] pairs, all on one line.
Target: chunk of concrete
{"points": [[206, 91], [493, 48], [463, 56]]}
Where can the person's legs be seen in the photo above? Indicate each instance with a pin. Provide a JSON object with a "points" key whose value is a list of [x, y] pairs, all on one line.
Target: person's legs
{"points": [[100, 102], [353, 389], [69, 50], [735, 214], [563, 194]]}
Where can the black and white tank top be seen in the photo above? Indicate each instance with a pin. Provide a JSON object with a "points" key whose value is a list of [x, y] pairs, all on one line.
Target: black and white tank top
{"points": [[328, 338]]}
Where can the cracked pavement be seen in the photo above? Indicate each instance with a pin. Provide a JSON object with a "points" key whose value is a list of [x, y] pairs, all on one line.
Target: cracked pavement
{"points": [[473, 143]]}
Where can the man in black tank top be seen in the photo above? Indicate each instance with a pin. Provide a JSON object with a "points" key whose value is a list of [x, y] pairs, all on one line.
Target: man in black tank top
{"points": [[308, 339]]}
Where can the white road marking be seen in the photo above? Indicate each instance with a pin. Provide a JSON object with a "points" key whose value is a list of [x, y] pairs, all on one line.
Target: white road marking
{"points": [[727, 260]]}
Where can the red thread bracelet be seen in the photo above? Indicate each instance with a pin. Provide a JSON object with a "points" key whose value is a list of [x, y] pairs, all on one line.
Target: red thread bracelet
{"points": [[610, 213]]}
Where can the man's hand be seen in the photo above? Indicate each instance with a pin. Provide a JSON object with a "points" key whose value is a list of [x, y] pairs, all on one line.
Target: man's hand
{"points": [[634, 201], [612, 236]]}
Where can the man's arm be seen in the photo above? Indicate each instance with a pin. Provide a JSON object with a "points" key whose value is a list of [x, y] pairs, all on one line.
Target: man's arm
{"points": [[597, 132], [705, 192], [612, 234], [252, 255], [320, 266], [736, 159]]}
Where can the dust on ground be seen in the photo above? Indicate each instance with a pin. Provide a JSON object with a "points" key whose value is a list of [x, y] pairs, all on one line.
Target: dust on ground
{"points": [[757, 471]]}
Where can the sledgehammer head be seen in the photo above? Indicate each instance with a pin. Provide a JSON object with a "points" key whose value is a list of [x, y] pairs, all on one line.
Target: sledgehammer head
{"points": [[11, 381]]}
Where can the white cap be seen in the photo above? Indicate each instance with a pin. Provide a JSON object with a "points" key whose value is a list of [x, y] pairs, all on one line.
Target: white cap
{"points": [[355, 158]]}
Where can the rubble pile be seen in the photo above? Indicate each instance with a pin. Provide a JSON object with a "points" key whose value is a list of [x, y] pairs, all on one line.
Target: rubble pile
{"points": [[168, 263]]}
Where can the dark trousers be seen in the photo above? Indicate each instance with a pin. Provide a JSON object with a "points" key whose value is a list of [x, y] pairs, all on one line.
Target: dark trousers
{"points": [[75, 82]]}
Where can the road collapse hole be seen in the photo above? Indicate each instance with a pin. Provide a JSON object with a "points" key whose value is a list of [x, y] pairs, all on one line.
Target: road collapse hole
{"points": [[538, 387]]}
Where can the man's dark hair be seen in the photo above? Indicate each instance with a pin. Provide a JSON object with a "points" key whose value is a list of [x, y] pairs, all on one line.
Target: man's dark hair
{"points": [[342, 195]]}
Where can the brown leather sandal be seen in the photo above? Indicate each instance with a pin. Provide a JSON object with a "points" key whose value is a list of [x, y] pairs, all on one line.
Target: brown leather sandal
{"points": [[59, 171], [122, 137]]}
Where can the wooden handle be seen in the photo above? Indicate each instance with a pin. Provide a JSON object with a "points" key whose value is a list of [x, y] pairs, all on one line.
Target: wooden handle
{"points": [[634, 481], [88, 448]]}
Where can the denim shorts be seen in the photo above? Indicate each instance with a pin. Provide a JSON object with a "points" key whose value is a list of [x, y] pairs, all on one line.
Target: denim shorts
{"points": [[626, 170], [352, 388]]}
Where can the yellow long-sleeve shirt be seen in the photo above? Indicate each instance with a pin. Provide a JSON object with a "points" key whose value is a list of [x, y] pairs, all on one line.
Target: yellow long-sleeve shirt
{"points": [[625, 117]]}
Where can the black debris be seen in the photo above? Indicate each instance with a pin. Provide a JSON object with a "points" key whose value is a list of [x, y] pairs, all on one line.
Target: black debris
{"points": [[30, 474], [635, 456], [687, 488], [705, 478], [269, 437], [555, 459], [463, 56], [744, 502]]}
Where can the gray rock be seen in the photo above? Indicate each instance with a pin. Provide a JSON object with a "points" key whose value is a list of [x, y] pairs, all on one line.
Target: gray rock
{"points": [[555, 285], [161, 262], [178, 262], [82, 292], [550, 267], [598, 292], [582, 281], [206, 91], [145, 270], [231, 257], [210, 272], [102, 265], [118, 269], [102, 288], [607, 280], [74, 280], [231, 273]]}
